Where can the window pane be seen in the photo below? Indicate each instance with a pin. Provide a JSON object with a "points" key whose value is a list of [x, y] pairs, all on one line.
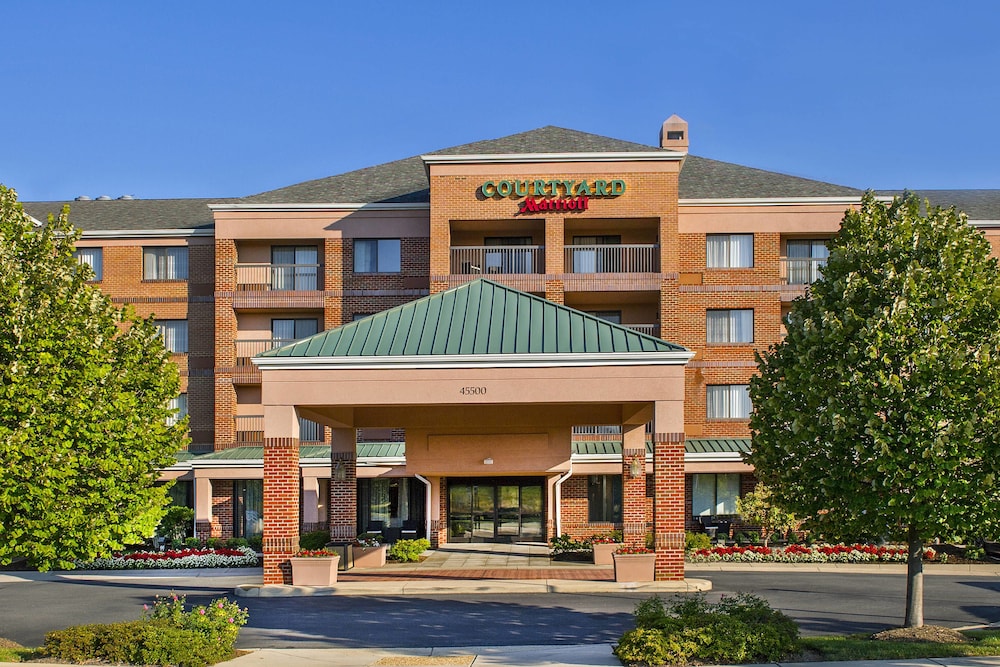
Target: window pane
{"points": [[365, 251], [717, 326], [727, 490], [306, 328], [702, 495], [92, 257], [180, 405], [388, 256], [175, 335], [741, 251], [742, 325], [165, 263], [716, 251], [728, 401], [282, 329]]}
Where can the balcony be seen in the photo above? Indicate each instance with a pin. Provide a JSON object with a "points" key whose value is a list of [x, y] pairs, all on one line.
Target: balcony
{"points": [[250, 430], [278, 286], [648, 329], [801, 270], [623, 258], [493, 260], [248, 349]]}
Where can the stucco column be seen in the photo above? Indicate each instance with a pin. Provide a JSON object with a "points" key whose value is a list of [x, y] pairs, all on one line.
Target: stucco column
{"points": [[634, 484], [668, 502], [343, 485], [202, 508], [281, 492]]}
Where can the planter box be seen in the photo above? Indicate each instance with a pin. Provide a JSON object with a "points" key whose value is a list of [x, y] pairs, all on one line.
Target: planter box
{"points": [[604, 553], [370, 556], [320, 571], [635, 567]]}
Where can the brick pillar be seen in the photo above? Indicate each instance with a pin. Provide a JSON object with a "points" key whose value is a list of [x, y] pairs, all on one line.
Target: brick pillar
{"points": [[634, 485], [555, 240], [343, 485], [668, 505], [281, 507], [225, 345], [439, 518], [333, 282]]}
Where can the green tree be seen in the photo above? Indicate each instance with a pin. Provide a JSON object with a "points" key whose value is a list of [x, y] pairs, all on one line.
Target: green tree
{"points": [[877, 415], [759, 509], [84, 393]]}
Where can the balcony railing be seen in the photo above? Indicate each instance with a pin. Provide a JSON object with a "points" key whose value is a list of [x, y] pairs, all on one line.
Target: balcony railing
{"points": [[468, 260], [631, 258], [648, 329], [266, 277], [613, 430], [801, 270], [247, 349], [250, 430]]}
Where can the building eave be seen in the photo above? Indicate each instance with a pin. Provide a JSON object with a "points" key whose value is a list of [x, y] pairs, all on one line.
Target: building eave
{"points": [[144, 233], [774, 201], [672, 358], [328, 206], [534, 158]]}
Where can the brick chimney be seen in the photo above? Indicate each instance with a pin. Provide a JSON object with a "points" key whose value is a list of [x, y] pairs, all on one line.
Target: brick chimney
{"points": [[674, 134]]}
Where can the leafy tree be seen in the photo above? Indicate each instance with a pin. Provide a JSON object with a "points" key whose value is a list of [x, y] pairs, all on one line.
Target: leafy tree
{"points": [[759, 509], [84, 392], [878, 413]]}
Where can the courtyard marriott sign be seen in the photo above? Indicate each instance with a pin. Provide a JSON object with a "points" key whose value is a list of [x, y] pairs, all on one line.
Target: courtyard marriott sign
{"points": [[552, 195]]}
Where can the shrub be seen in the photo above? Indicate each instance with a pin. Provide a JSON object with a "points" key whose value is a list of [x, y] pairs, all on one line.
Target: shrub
{"points": [[564, 544], [136, 642], [176, 523], [219, 621], [256, 542], [215, 543], [234, 542], [743, 628], [192, 542], [408, 551], [314, 540], [693, 541]]}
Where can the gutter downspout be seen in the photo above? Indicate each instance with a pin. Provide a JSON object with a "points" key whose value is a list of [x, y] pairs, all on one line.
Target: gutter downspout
{"points": [[427, 505], [557, 490]]}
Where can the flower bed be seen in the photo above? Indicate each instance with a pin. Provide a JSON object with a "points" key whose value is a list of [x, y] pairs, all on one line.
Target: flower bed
{"points": [[797, 553], [181, 558]]}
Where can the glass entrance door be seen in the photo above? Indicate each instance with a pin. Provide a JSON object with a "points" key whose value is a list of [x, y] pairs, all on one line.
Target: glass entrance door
{"points": [[495, 510]]}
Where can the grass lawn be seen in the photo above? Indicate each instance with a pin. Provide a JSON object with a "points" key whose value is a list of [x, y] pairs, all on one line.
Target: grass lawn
{"points": [[861, 647]]}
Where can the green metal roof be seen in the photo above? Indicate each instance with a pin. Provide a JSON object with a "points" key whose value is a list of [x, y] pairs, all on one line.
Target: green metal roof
{"points": [[691, 446], [381, 450], [479, 317]]}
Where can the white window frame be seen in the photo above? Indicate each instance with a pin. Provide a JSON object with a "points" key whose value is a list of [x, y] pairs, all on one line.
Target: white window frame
{"points": [[386, 254], [174, 334], [92, 257], [729, 251], [727, 401], [165, 263], [180, 404], [729, 326]]}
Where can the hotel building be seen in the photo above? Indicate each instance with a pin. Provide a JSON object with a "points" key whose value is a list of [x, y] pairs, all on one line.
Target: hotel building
{"points": [[550, 332]]}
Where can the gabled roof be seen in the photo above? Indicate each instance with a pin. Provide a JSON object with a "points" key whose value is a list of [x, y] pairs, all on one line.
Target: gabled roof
{"points": [[977, 204], [405, 181], [478, 318]]}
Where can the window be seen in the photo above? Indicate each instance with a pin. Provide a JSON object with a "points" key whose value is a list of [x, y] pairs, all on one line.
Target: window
{"points": [[294, 267], [592, 259], [175, 335], [714, 494], [293, 329], [376, 256], [169, 263], [507, 258], [180, 405], [92, 257], [604, 498], [310, 431], [729, 251], [248, 507], [389, 503], [728, 401], [360, 316], [729, 326], [806, 258]]}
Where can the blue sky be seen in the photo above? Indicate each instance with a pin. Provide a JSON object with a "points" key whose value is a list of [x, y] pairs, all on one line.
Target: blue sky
{"points": [[220, 99]]}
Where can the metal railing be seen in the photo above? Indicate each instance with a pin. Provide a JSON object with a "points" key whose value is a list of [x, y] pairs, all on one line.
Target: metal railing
{"points": [[801, 270], [631, 258], [648, 329], [468, 260], [247, 349], [266, 277], [250, 430], [609, 429]]}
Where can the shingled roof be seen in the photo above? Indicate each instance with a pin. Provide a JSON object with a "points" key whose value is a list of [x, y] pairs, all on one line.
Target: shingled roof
{"points": [[405, 181], [130, 214], [977, 204], [478, 318]]}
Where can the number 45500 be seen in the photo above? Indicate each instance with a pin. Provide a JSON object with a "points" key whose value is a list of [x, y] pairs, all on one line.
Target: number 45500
{"points": [[472, 391]]}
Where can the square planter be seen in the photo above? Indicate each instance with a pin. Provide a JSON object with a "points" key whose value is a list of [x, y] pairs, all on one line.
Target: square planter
{"points": [[319, 571], [370, 556], [603, 553], [635, 567]]}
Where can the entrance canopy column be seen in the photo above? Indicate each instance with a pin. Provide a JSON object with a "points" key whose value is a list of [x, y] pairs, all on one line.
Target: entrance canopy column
{"points": [[634, 484], [281, 492], [668, 482], [343, 485]]}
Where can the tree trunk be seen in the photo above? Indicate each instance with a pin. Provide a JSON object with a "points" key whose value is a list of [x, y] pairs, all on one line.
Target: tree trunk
{"points": [[914, 580]]}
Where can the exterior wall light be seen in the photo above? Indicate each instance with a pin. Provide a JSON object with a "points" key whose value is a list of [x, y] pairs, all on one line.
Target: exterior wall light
{"points": [[488, 461], [636, 467], [340, 472]]}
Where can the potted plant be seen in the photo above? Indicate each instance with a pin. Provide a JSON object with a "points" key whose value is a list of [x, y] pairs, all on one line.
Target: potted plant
{"points": [[314, 568], [369, 551], [634, 564], [604, 547]]}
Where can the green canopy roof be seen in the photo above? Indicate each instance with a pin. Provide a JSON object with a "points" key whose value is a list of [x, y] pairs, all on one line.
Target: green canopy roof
{"points": [[478, 318]]}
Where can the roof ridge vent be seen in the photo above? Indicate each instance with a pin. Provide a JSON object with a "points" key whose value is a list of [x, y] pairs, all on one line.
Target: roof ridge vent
{"points": [[126, 197], [103, 198], [82, 198]]}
